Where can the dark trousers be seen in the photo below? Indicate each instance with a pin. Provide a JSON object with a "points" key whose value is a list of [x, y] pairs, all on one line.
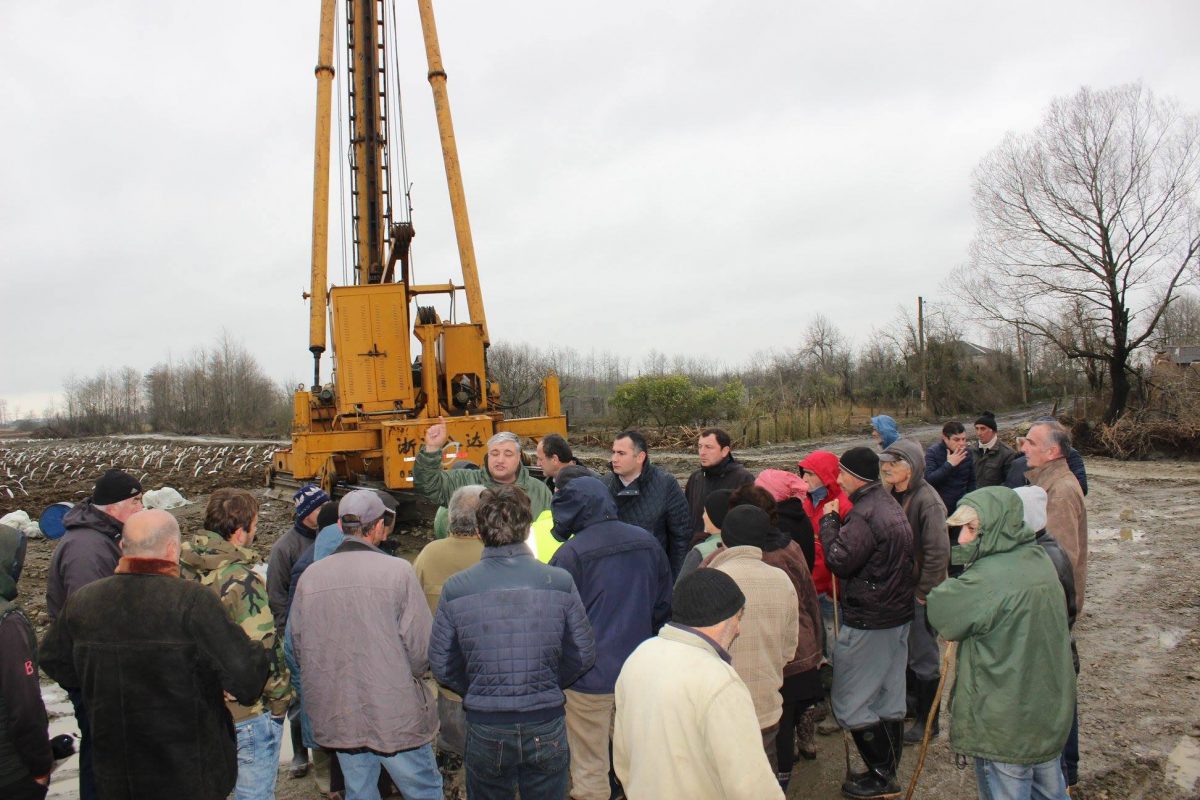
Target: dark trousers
{"points": [[799, 692], [532, 757], [87, 779], [1070, 754], [24, 789]]}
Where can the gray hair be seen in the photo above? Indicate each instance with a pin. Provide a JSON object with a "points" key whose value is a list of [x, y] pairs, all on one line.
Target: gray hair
{"points": [[462, 506], [1059, 435], [502, 437]]}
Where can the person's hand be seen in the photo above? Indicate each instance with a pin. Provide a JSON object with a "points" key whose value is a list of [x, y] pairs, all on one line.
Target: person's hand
{"points": [[229, 698], [436, 436], [957, 456], [831, 507], [43, 780]]}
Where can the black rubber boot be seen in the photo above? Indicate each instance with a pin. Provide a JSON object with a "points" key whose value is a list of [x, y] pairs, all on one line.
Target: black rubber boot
{"points": [[299, 765], [877, 752], [926, 692], [894, 730]]}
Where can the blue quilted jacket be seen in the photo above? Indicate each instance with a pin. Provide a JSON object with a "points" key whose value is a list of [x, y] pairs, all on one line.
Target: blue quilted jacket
{"points": [[509, 635]]}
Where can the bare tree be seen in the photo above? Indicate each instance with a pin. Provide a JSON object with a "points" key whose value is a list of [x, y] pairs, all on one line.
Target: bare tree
{"points": [[1088, 226]]}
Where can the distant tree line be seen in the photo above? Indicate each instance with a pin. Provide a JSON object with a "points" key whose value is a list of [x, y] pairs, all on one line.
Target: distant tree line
{"points": [[221, 389]]}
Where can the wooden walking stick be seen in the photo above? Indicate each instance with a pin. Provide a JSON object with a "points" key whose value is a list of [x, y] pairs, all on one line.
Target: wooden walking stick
{"points": [[947, 666], [836, 629]]}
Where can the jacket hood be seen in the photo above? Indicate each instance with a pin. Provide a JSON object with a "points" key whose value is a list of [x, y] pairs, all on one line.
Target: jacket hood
{"points": [[1001, 525], [1034, 499], [825, 465], [86, 515], [12, 558], [888, 432], [207, 551], [914, 455], [580, 504]]}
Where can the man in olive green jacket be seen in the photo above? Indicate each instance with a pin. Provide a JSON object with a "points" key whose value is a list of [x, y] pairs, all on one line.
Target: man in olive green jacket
{"points": [[1014, 693]]}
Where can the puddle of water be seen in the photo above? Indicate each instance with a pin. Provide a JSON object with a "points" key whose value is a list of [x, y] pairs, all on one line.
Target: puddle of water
{"points": [[1183, 764], [1116, 534]]}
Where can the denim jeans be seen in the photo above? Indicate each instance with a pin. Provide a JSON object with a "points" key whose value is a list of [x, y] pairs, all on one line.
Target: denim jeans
{"points": [[1000, 781], [534, 757], [1070, 754], [258, 740], [414, 772]]}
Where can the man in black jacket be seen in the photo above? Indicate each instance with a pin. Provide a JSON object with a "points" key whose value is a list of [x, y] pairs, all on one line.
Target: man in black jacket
{"points": [[992, 457], [25, 757], [718, 470], [161, 728], [649, 497], [871, 554], [87, 552]]}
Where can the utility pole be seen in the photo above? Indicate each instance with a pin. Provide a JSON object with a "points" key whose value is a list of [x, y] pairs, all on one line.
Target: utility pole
{"points": [[921, 355]]}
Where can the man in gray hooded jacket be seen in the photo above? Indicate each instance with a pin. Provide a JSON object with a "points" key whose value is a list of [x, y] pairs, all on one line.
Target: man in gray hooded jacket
{"points": [[902, 467]]}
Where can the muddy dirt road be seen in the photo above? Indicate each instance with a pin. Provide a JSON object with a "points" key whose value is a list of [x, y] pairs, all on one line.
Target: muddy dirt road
{"points": [[1139, 642]]}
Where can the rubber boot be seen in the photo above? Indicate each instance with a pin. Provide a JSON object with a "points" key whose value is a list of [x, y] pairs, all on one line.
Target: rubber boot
{"points": [[806, 728], [894, 729], [299, 766], [926, 692], [877, 751]]}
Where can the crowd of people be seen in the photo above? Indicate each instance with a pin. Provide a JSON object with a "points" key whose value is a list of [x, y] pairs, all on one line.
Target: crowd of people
{"points": [[583, 635]]}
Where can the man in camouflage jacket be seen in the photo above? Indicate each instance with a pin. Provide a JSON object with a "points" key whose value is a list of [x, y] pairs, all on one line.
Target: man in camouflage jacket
{"points": [[221, 559]]}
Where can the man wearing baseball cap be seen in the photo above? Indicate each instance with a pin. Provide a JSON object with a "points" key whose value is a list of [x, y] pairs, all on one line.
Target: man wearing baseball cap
{"points": [[87, 552], [871, 555], [359, 633], [685, 724]]}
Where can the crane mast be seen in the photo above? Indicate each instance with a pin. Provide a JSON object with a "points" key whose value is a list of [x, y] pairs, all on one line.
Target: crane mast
{"points": [[364, 426]]}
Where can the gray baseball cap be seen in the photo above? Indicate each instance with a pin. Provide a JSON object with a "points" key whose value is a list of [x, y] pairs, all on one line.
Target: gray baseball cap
{"points": [[363, 504]]}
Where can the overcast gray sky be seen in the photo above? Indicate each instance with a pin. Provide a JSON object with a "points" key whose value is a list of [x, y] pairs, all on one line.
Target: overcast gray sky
{"points": [[695, 177]]}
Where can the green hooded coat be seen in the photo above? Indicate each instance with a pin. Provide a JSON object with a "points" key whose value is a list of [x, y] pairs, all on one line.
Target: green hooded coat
{"points": [[437, 485], [1014, 691]]}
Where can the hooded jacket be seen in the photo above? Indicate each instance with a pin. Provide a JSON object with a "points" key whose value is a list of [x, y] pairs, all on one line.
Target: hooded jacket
{"points": [[229, 572], [655, 503], [437, 485], [728, 474], [174, 647], [872, 555], [24, 743], [284, 554], [926, 516], [1014, 692], [620, 571], [888, 432], [951, 482], [87, 552], [825, 465]]}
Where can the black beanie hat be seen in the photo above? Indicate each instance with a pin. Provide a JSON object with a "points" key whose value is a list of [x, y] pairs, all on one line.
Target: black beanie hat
{"points": [[717, 506], [861, 462], [706, 597], [114, 486], [987, 418], [747, 525], [328, 515]]}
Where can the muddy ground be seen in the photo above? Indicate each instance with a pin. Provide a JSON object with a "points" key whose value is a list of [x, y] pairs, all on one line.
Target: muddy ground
{"points": [[1139, 642]]}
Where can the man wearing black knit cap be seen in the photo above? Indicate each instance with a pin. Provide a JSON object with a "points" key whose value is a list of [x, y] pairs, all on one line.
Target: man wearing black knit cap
{"points": [[87, 552], [871, 555], [685, 724], [992, 458]]}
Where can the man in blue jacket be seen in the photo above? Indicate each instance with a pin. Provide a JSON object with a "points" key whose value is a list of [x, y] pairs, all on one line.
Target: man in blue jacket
{"points": [[949, 467], [509, 634], [624, 580]]}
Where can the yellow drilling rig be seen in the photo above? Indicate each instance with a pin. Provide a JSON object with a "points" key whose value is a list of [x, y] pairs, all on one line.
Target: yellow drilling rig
{"points": [[365, 426]]}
